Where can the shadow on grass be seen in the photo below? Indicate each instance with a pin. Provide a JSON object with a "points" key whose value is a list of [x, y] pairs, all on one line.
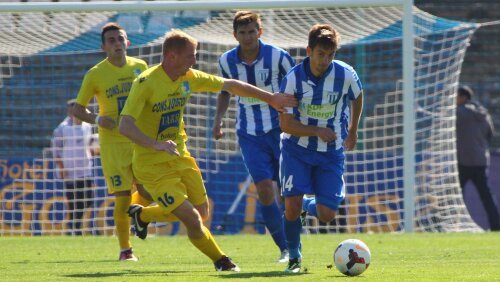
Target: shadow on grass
{"points": [[123, 273], [244, 275]]}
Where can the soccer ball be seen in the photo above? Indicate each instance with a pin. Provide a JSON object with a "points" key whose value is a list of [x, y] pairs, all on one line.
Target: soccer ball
{"points": [[352, 257]]}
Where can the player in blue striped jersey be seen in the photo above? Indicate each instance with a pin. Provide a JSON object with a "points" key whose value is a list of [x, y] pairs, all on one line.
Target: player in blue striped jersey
{"points": [[257, 123], [316, 133]]}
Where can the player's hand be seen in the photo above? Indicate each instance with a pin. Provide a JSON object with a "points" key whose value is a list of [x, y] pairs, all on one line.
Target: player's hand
{"points": [[217, 130], [168, 146], [107, 122], [351, 140], [281, 101], [326, 134]]}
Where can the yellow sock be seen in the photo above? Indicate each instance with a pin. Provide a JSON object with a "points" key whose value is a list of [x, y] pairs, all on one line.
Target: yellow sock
{"points": [[208, 246], [138, 199], [155, 213], [122, 221]]}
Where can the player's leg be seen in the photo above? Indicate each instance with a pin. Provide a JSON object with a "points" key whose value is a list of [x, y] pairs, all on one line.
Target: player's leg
{"points": [[116, 160], [122, 224], [261, 156], [141, 196], [166, 182], [295, 182], [309, 205], [328, 185]]}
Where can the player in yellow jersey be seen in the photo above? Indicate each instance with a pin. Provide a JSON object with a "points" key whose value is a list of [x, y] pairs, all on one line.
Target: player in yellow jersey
{"points": [[110, 81], [153, 119]]}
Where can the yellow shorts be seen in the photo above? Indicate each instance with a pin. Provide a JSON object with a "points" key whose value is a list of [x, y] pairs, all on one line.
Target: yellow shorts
{"points": [[171, 183], [116, 161]]}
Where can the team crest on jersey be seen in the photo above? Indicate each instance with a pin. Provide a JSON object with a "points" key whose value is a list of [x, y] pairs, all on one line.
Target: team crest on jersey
{"points": [[333, 96], [263, 74], [137, 72], [185, 88]]}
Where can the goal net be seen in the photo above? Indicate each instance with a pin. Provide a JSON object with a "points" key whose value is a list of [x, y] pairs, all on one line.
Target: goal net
{"points": [[44, 56]]}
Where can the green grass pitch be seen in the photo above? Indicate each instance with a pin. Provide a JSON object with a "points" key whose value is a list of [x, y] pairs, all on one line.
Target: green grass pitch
{"points": [[395, 257]]}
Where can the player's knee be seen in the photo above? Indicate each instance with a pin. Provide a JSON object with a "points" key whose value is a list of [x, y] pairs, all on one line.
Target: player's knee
{"points": [[292, 210], [326, 214], [265, 190]]}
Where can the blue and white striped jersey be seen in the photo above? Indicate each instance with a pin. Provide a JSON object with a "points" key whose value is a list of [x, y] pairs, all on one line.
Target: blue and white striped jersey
{"points": [[323, 102], [254, 116]]}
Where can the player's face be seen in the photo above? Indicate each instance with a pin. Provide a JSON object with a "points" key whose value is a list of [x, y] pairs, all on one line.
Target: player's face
{"points": [[320, 59], [115, 43], [248, 36], [185, 59]]}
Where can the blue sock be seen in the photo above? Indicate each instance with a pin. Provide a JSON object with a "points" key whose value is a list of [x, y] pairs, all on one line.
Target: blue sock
{"points": [[309, 205], [292, 233], [273, 219]]}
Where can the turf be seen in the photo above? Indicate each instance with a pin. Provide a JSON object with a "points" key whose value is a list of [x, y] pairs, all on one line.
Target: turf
{"points": [[395, 257]]}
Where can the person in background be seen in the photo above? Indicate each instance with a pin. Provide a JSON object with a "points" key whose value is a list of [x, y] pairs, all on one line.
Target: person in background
{"points": [[72, 148], [474, 132]]}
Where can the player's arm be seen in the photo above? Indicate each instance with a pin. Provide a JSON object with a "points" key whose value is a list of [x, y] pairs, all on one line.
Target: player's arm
{"points": [[352, 135], [243, 89], [129, 129], [85, 115], [222, 105], [294, 127]]}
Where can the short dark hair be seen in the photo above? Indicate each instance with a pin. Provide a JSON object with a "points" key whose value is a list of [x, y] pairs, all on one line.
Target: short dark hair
{"points": [[110, 26], [244, 18], [325, 36], [465, 91]]}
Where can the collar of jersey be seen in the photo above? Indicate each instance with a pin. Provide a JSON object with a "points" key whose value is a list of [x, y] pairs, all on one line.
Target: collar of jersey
{"points": [[306, 65], [237, 59]]}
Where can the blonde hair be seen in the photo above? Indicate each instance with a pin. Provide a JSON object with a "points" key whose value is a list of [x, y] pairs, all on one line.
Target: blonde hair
{"points": [[177, 40]]}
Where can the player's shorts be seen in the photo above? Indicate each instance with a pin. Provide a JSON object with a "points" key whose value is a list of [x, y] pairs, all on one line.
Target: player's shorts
{"points": [[261, 154], [171, 183], [304, 171], [116, 161]]}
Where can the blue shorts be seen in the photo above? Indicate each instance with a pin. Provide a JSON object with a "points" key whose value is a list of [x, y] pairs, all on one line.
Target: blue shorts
{"points": [[261, 154], [303, 171]]}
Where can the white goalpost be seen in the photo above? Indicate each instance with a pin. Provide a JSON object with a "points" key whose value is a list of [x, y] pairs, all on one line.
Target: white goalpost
{"points": [[401, 177]]}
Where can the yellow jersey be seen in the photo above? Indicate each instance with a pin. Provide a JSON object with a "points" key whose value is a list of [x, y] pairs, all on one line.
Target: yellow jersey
{"points": [[157, 104], [111, 86]]}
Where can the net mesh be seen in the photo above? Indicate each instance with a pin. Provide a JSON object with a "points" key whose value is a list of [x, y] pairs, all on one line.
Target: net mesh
{"points": [[44, 56]]}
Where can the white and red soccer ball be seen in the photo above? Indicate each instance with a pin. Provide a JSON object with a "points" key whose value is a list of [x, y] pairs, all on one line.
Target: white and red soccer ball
{"points": [[352, 257]]}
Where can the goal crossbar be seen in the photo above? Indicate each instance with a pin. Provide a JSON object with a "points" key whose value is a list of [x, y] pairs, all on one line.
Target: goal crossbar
{"points": [[134, 6]]}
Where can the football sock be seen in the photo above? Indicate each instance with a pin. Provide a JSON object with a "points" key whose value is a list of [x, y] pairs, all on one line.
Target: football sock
{"points": [[292, 233], [207, 245], [138, 199], [155, 213], [309, 205], [273, 219], [122, 221]]}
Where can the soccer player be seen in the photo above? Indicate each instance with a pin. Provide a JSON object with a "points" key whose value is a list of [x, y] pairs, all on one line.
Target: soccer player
{"points": [[110, 81], [153, 119], [257, 125], [316, 133]]}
